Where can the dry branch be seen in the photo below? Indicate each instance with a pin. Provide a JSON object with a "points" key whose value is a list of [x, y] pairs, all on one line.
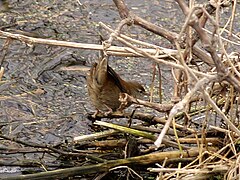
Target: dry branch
{"points": [[113, 50], [104, 167]]}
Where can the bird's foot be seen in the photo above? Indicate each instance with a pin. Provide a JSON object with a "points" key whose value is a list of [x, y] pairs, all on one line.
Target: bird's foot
{"points": [[97, 112], [110, 111]]}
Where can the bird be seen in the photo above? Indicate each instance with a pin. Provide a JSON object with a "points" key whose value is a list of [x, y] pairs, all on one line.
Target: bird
{"points": [[104, 86]]}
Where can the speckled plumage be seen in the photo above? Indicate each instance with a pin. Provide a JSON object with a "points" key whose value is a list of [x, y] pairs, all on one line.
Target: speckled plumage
{"points": [[104, 86]]}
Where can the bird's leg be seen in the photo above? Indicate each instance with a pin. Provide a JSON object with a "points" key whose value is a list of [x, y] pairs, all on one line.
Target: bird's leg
{"points": [[95, 114], [99, 112], [110, 111]]}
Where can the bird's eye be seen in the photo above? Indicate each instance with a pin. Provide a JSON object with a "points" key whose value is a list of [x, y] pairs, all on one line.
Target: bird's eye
{"points": [[141, 91]]}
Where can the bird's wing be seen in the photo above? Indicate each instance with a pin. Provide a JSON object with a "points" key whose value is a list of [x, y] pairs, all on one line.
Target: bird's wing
{"points": [[116, 79], [100, 71]]}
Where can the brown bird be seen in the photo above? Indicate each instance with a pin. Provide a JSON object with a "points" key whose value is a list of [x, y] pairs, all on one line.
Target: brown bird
{"points": [[105, 85]]}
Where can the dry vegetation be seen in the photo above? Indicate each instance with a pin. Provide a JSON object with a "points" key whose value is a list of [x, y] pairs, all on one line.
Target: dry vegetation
{"points": [[207, 86]]}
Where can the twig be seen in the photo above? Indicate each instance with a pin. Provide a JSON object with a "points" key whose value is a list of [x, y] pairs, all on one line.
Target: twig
{"points": [[110, 50], [181, 105]]}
